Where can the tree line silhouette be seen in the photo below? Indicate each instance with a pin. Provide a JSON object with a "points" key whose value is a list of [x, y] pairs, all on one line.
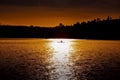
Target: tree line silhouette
{"points": [[94, 29]]}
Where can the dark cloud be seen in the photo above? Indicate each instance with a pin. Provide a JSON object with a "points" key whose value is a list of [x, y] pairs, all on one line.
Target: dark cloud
{"points": [[63, 3], [98, 5], [25, 2]]}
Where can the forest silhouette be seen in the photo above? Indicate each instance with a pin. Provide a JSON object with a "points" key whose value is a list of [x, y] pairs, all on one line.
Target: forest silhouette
{"points": [[94, 29]]}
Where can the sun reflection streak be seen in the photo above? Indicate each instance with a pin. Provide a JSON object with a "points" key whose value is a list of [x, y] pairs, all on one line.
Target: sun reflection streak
{"points": [[61, 51], [60, 59]]}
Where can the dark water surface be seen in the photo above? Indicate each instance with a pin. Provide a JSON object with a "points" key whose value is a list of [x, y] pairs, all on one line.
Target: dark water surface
{"points": [[53, 59]]}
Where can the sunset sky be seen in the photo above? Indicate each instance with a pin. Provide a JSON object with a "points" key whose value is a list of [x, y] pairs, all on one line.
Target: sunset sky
{"points": [[52, 12]]}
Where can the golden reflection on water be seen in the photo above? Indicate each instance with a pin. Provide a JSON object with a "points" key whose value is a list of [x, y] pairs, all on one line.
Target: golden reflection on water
{"points": [[60, 59]]}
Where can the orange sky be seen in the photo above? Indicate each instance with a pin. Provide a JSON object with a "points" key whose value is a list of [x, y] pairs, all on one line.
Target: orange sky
{"points": [[45, 16]]}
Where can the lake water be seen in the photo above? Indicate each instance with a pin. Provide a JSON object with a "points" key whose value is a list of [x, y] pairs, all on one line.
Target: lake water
{"points": [[53, 59]]}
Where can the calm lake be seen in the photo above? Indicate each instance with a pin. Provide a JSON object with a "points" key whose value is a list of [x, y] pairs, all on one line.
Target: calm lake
{"points": [[59, 59]]}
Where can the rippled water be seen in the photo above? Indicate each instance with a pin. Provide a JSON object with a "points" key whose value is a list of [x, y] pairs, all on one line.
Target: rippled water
{"points": [[53, 59]]}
